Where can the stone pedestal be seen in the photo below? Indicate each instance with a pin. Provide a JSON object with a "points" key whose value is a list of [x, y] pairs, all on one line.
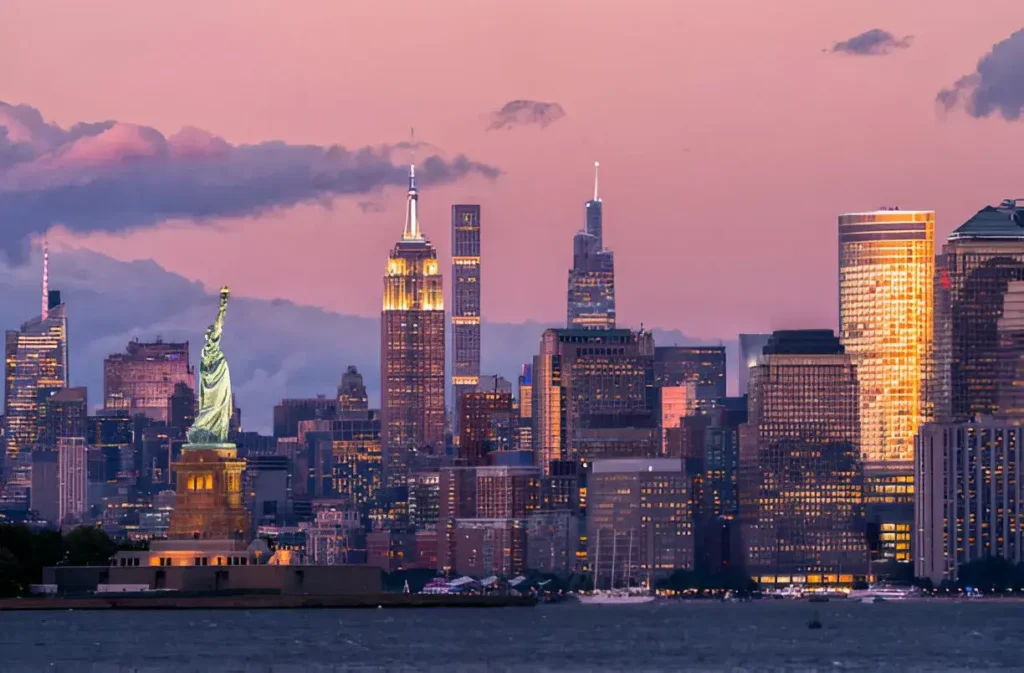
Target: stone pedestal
{"points": [[208, 503]]}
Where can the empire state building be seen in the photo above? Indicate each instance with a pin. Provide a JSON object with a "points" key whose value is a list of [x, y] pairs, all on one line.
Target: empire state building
{"points": [[412, 349]]}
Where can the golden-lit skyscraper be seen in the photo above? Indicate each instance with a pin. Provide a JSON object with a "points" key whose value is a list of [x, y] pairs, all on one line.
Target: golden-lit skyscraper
{"points": [[412, 348], [886, 290], [886, 271]]}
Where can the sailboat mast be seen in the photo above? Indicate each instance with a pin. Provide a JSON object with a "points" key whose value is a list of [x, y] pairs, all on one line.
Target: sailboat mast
{"points": [[615, 538], [597, 557], [629, 559]]}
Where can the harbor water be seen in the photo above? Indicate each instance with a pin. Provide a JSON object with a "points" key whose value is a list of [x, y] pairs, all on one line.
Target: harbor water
{"points": [[936, 635]]}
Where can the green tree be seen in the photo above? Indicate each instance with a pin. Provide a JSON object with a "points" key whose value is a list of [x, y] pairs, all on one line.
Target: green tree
{"points": [[88, 546]]}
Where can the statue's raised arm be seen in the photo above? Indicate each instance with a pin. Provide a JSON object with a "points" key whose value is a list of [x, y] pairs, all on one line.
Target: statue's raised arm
{"points": [[215, 404]]}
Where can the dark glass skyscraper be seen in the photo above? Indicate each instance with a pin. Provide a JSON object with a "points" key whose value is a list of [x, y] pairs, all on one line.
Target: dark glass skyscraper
{"points": [[702, 366], [978, 261], [465, 303], [593, 395], [591, 296], [801, 477], [412, 348]]}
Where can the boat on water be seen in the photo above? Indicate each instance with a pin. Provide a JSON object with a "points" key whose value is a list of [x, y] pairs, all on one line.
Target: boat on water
{"points": [[877, 593], [614, 596], [617, 597]]}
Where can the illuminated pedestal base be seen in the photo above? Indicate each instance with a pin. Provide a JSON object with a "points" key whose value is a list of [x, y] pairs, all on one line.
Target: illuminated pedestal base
{"points": [[208, 502]]}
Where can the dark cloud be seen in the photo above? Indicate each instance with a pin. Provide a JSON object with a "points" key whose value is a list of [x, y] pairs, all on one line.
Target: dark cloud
{"points": [[525, 113], [874, 42], [371, 206], [996, 85], [112, 176], [275, 348]]}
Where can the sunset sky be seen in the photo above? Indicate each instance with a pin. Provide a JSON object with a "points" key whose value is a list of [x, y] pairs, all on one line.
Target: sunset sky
{"points": [[730, 135]]}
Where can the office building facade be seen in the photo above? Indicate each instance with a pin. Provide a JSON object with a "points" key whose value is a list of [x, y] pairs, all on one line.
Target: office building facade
{"points": [[969, 503], [590, 380], [639, 519], [978, 262], [701, 366], [73, 473], [142, 379], [801, 479], [886, 276]]}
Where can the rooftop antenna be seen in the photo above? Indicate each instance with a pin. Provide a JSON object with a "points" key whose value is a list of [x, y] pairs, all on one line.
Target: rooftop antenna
{"points": [[45, 311], [596, 166], [412, 225]]}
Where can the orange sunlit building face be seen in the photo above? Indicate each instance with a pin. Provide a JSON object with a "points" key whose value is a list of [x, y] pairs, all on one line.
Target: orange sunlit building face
{"points": [[886, 271]]}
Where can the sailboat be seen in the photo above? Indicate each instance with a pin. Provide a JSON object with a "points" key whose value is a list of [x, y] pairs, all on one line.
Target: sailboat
{"points": [[614, 596]]}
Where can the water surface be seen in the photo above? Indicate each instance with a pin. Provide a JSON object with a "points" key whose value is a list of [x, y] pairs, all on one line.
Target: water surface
{"points": [[921, 636]]}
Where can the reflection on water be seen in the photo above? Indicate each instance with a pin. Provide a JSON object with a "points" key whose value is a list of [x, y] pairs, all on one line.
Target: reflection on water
{"points": [[759, 636]]}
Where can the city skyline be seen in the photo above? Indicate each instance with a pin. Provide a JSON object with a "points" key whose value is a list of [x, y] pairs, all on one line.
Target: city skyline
{"points": [[660, 205]]}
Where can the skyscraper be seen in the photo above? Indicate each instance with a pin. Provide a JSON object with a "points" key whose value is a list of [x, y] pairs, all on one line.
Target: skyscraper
{"points": [[640, 521], [591, 296], [886, 270], [593, 392], [73, 476], [465, 303], [701, 366], [352, 391], [801, 480], [886, 275], [751, 346], [978, 261], [486, 424], [141, 380], [412, 348], [968, 505], [35, 358]]}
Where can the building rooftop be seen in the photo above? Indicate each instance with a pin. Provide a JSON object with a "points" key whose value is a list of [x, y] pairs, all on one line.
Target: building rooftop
{"points": [[803, 342], [1004, 221], [621, 465]]}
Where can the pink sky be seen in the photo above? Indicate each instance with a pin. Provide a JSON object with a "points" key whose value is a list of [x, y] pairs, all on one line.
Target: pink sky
{"points": [[728, 139]]}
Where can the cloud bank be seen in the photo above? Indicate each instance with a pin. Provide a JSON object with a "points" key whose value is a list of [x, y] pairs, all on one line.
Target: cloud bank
{"points": [[275, 348], [874, 42], [996, 85], [113, 176], [525, 113]]}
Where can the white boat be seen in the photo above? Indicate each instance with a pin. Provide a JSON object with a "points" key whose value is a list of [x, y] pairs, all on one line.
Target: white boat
{"points": [[615, 598], [883, 592]]}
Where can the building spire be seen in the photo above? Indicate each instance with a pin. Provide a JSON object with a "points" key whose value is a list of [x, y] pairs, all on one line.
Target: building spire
{"points": [[45, 310], [412, 224], [596, 166]]}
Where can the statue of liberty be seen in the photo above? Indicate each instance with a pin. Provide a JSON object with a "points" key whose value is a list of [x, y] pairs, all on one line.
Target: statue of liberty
{"points": [[215, 403]]}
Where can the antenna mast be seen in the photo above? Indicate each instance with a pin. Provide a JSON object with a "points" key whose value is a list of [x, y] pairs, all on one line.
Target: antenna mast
{"points": [[45, 310]]}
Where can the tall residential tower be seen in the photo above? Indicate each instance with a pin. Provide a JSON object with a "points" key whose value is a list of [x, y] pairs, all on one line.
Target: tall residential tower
{"points": [[591, 296], [412, 348], [465, 303]]}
